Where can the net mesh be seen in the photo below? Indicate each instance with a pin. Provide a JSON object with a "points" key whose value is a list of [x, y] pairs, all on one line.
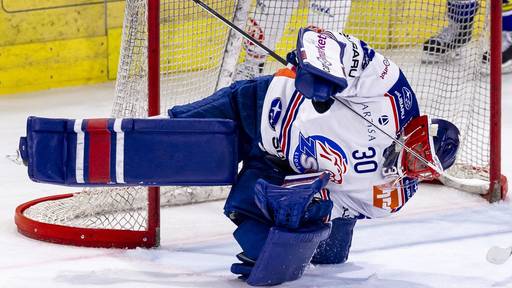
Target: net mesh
{"points": [[200, 55]]}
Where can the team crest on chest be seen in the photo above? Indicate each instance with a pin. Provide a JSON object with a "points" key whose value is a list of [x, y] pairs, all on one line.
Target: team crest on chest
{"points": [[316, 153]]}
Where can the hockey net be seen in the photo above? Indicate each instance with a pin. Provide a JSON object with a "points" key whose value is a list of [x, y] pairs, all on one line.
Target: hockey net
{"points": [[199, 55]]}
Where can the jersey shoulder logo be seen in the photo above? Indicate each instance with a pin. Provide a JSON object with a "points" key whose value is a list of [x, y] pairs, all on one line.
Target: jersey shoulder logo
{"points": [[274, 114], [407, 97], [315, 153]]}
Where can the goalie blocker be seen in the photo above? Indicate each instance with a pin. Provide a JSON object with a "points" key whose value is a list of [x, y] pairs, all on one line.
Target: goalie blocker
{"points": [[121, 152]]}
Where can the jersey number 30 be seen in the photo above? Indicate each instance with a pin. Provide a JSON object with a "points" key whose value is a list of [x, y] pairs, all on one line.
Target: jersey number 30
{"points": [[364, 160]]}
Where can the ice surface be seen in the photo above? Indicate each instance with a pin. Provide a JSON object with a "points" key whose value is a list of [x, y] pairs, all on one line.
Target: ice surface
{"points": [[439, 240]]}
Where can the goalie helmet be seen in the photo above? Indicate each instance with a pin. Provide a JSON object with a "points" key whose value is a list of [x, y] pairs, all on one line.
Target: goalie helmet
{"points": [[435, 140], [446, 141]]}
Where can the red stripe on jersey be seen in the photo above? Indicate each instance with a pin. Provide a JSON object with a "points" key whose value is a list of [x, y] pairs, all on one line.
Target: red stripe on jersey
{"points": [[393, 107], [324, 194], [289, 120], [99, 150]]}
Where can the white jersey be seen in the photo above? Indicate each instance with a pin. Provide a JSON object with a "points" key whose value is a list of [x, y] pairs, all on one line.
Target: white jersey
{"points": [[340, 141]]}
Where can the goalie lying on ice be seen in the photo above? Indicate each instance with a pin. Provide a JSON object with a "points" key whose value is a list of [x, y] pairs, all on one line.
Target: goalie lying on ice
{"points": [[312, 164], [289, 124]]}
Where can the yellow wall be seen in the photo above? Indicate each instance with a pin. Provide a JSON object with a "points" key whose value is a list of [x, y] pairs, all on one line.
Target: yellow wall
{"points": [[56, 43], [384, 24], [387, 24]]}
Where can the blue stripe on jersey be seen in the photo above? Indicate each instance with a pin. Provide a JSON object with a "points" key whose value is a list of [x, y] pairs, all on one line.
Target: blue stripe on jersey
{"points": [[409, 186]]}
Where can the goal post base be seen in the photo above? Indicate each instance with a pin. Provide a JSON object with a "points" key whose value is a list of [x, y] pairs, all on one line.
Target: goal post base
{"points": [[498, 190], [78, 236]]}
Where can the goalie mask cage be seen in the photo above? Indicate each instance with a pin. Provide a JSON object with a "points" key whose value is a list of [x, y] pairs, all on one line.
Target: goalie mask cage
{"points": [[173, 52]]}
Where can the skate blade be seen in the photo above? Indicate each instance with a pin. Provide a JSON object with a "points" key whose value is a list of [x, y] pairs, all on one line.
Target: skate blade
{"points": [[435, 58], [506, 68]]}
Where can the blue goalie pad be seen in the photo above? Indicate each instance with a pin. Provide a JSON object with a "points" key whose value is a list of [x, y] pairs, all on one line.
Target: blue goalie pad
{"points": [[121, 152], [336, 248], [251, 236], [285, 255]]}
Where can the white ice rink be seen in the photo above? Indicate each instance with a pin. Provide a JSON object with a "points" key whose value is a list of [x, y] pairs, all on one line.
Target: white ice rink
{"points": [[439, 240]]}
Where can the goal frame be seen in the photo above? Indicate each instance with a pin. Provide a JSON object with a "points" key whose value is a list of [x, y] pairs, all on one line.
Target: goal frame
{"points": [[151, 237], [85, 237], [110, 238]]}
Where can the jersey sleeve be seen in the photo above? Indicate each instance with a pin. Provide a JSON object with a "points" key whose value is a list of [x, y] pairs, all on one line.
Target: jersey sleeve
{"points": [[371, 74]]}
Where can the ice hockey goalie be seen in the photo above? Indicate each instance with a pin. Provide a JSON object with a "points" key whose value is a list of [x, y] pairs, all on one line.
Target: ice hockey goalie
{"points": [[314, 157]]}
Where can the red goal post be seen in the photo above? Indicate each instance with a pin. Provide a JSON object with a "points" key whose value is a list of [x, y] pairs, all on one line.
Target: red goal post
{"points": [[498, 182]]}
